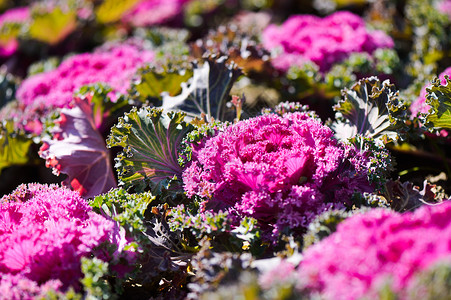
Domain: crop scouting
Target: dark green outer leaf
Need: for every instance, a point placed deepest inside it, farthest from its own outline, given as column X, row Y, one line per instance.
column 208, row 90
column 150, row 140
column 372, row 109
column 8, row 86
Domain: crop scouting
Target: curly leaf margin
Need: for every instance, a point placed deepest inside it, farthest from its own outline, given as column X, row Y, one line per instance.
column 439, row 98
column 372, row 109
column 150, row 140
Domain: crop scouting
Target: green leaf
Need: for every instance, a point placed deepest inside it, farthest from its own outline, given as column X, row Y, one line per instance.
column 14, row 145
column 52, row 26
column 112, row 10
column 150, row 142
column 156, row 80
column 126, row 209
column 431, row 283
column 324, row 225
column 439, row 98
column 44, row 65
column 207, row 92
column 94, row 280
column 372, row 109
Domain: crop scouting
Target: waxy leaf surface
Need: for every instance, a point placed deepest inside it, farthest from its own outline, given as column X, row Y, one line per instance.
column 207, row 92
column 150, row 140
column 78, row 150
column 370, row 108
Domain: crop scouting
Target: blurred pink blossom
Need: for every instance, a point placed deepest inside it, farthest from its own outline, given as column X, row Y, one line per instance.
column 444, row 6
column 18, row 287
column 151, row 12
column 324, row 41
column 114, row 65
column 379, row 247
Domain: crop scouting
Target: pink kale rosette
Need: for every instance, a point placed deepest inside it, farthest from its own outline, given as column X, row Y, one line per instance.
column 114, row 66
column 18, row 287
column 152, row 12
column 378, row 248
column 44, row 232
column 283, row 171
column 323, row 41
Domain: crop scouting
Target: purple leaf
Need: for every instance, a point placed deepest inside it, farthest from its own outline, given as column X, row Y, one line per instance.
column 78, row 150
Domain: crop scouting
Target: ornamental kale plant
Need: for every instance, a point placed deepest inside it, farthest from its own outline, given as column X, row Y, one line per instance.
column 374, row 254
column 45, row 231
column 40, row 95
column 114, row 66
column 282, row 171
column 324, row 41
column 223, row 188
column 376, row 248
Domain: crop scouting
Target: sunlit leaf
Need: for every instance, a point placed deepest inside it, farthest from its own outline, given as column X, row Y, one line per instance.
column 78, row 150
column 14, row 145
column 372, row 109
column 207, row 92
column 160, row 36
column 126, row 209
column 52, row 26
column 8, row 33
column 112, row 10
column 439, row 98
column 150, row 140
column 155, row 80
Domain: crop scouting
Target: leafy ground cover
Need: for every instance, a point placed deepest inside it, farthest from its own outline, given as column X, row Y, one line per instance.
column 225, row 149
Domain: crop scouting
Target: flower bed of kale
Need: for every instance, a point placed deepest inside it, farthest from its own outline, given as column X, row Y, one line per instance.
column 244, row 149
